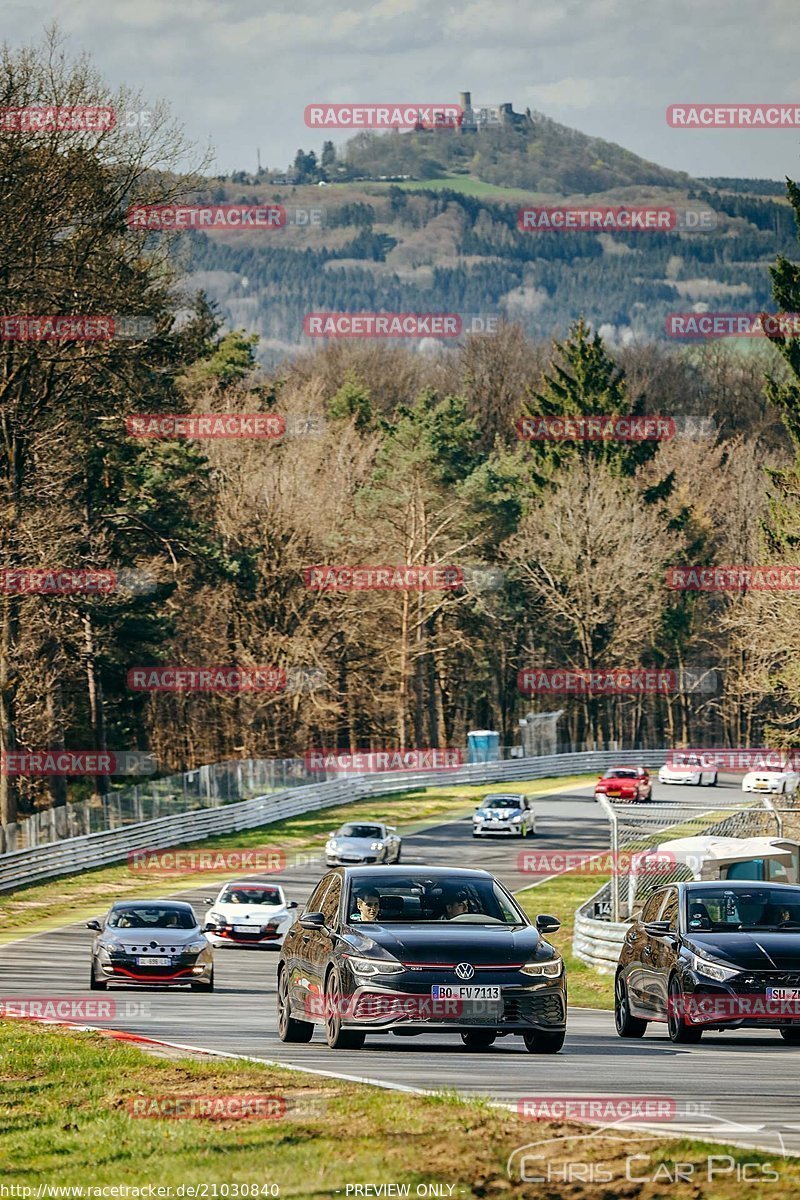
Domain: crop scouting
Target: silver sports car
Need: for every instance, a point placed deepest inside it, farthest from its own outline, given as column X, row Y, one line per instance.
column 363, row 842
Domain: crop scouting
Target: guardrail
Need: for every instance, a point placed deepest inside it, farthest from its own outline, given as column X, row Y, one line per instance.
column 85, row 852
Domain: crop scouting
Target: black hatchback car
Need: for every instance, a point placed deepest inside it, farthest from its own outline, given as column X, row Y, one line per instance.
column 420, row 949
column 712, row 956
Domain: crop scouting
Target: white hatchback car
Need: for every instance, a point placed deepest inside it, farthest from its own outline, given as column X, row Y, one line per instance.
column 504, row 813
column 249, row 914
column 776, row 782
column 689, row 770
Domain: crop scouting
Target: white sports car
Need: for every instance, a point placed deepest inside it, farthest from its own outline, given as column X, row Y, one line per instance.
column 249, row 914
column 781, row 782
column 509, row 814
column 689, row 770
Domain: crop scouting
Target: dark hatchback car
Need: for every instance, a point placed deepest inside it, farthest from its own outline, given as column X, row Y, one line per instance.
column 147, row 942
column 712, row 956
column 420, row 949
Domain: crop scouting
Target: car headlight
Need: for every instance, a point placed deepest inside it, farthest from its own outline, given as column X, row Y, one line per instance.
column 111, row 944
column 331, row 844
column 517, row 818
column 374, row 966
column 196, row 947
column 704, row 966
column 376, row 845
column 216, row 918
column 549, row 968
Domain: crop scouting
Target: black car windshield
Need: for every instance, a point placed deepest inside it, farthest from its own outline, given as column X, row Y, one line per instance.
column 620, row 774
column 360, row 831
column 501, row 802
column 398, row 898
column 156, row 916
column 729, row 910
column 246, row 894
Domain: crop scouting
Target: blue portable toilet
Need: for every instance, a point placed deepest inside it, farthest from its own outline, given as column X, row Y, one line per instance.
column 483, row 745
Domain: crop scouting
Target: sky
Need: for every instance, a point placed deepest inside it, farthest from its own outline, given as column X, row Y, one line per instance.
column 238, row 74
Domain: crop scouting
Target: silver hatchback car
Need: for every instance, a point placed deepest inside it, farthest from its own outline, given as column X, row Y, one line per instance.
column 151, row 942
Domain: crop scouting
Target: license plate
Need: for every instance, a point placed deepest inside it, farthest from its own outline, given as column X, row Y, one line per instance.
column 245, row 929
column 783, row 993
column 447, row 991
column 154, row 962
column 614, row 793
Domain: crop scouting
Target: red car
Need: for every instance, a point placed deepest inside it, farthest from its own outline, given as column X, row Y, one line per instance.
column 625, row 783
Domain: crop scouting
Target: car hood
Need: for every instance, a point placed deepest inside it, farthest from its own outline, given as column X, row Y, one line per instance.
column 756, row 951
column 445, row 942
column 354, row 845
column 622, row 783
column 246, row 914
column 143, row 940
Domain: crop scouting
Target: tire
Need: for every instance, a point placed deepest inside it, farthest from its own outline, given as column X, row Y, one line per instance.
column 290, row 1029
column 791, row 1036
column 399, row 852
column 538, row 1042
column 96, row 985
column 627, row 1025
column 336, row 1037
column 478, row 1039
column 202, row 985
column 679, row 1032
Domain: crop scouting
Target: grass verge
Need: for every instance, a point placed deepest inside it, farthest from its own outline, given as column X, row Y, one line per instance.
column 561, row 897
column 73, row 898
column 66, row 1119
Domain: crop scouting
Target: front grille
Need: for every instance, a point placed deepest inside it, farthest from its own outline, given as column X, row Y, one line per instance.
column 759, row 980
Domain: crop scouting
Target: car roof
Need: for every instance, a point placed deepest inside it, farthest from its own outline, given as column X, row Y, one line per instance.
column 153, row 904
column 251, row 883
column 732, row 885
column 411, row 872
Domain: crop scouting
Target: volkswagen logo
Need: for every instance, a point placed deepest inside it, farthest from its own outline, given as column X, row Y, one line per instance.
column 465, row 970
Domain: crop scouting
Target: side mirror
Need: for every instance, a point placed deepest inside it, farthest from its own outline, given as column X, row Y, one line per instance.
column 313, row 920
column 94, row 925
column 208, row 900
column 656, row 928
column 547, row 924
column 292, row 904
column 601, row 776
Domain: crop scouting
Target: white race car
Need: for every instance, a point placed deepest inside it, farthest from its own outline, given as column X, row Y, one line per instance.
column 249, row 914
column 781, row 782
column 689, row 770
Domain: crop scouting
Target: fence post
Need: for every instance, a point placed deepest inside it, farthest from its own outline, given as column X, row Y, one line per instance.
column 614, row 839
column 778, row 818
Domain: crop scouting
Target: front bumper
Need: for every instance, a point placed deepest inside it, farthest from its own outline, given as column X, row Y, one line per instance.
column 350, row 860
column 505, row 830
column 742, row 1002
column 377, row 1008
column 185, row 968
column 244, row 941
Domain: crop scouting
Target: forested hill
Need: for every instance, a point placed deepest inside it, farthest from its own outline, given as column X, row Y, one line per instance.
column 428, row 222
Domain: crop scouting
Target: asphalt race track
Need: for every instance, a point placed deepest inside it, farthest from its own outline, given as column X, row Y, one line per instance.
column 740, row 1087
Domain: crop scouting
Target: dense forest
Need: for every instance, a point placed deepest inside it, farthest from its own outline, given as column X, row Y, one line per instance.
column 390, row 457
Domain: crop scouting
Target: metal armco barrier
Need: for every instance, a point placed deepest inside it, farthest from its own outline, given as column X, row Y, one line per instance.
column 101, row 849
